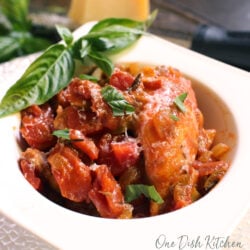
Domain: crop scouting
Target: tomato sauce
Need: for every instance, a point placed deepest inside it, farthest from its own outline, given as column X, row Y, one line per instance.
column 162, row 143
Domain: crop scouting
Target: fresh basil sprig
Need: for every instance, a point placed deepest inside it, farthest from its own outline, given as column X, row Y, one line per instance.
column 53, row 70
column 134, row 191
column 116, row 101
column 16, row 38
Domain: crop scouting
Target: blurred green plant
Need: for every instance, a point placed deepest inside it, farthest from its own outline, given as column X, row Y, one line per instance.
column 16, row 38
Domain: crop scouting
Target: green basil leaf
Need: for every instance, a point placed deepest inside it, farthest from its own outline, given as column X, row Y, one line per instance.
column 5, row 24
column 9, row 47
column 88, row 77
column 113, row 39
column 16, row 12
column 65, row 34
column 33, row 44
column 116, row 101
column 20, row 43
column 64, row 134
column 80, row 49
column 179, row 102
column 44, row 78
column 108, row 22
column 134, row 191
column 102, row 44
column 174, row 117
column 102, row 62
column 115, row 34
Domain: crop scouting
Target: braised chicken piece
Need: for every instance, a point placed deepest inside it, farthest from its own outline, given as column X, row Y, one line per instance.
column 158, row 149
column 169, row 135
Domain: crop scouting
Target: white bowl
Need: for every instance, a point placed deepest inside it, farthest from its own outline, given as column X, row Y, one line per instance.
column 223, row 96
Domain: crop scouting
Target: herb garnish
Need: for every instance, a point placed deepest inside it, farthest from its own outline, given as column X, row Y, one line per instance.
column 134, row 191
column 116, row 101
column 136, row 82
column 179, row 102
column 174, row 117
column 65, row 135
column 53, row 70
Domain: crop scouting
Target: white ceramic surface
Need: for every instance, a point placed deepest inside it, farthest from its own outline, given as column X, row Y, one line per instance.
column 223, row 95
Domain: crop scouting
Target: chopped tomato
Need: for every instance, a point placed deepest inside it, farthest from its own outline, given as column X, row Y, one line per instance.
column 119, row 154
column 76, row 118
column 37, row 126
column 77, row 92
column 126, row 153
column 84, row 143
column 32, row 164
column 29, row 172
column 121, row 80
column 71, row 174
column 107, row 196
column 152, row 83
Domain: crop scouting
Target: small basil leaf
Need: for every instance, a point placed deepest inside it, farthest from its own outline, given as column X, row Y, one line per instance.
column 116, row 38
column 44, row 78
column 102, row 62
column 80, row 49
column 88, row 77
column 134, row 191
column 179, row 102
column 64, row 134
column 65, row 34
column 174, row 117
column 116, row 101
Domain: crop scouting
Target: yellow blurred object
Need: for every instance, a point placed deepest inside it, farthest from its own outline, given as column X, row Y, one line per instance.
column 82, row 11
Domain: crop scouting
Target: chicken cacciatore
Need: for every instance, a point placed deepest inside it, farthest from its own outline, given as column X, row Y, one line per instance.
column 126, row 146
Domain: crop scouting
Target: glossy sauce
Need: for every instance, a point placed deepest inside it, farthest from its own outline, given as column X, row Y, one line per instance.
column 159, row 144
